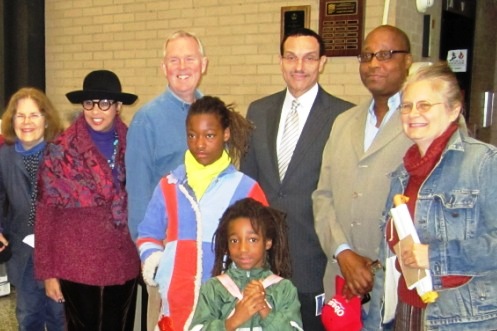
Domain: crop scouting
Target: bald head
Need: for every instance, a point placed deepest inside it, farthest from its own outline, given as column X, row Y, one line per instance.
column 384, row 77
column 393, row 31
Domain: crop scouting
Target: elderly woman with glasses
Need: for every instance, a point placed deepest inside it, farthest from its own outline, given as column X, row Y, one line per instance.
column 84, row 251
column 29, row 122
column 450, row 181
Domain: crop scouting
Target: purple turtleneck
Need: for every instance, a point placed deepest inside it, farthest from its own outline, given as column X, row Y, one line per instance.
column 104, row 140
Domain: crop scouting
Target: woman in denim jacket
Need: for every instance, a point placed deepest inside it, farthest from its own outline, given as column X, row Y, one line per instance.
column 451, row 182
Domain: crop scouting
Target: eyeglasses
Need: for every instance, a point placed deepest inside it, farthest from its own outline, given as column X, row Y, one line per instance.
column 103, row 104
column 32, row 117
column 422, row 106
column 380, row 55
column 308, row 59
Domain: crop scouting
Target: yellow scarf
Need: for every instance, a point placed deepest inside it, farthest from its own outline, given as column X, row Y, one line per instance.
column 199, row 176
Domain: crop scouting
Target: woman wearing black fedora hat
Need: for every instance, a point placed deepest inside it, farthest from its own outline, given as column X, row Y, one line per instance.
column 84, row 252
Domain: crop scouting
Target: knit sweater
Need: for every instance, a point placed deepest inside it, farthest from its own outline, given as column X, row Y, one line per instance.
column 81, row 219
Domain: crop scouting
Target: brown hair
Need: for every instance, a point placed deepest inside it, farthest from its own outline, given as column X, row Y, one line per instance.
column 53, row 124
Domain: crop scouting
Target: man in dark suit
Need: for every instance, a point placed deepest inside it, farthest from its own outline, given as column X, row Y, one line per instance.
column 289, row 175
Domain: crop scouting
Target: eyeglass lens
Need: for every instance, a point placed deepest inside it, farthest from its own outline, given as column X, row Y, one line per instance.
column 380, row 55
column 421, row 106
column 103, row 104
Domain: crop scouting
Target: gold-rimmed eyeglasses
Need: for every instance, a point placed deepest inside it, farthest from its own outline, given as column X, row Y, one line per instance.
column 422, row 106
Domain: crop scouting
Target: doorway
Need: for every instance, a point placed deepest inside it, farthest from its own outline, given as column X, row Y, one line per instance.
column 456, row 44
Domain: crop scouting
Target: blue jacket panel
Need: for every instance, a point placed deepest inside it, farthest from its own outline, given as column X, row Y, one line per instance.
column 156, row 144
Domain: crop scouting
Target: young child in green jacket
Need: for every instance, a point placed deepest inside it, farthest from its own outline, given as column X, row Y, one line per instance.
column 249, row 290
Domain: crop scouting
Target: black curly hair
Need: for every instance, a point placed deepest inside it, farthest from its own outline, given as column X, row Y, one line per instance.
column 269, row 221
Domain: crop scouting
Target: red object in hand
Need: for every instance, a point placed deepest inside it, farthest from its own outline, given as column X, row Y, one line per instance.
column 340, row 314
column 165, row 323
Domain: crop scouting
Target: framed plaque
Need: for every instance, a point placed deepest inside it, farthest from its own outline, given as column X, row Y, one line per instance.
column 341, row 25
column 294, row 17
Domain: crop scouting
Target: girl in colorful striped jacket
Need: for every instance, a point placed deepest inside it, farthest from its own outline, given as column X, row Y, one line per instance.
column 175, row 236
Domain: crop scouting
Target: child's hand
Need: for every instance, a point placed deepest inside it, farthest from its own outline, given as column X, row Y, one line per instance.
column 256, row 288
column 253, row 302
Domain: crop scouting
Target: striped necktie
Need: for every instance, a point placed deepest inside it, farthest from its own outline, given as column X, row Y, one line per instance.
column 289, row 139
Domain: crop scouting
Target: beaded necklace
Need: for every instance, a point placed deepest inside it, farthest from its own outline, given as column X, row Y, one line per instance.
column 112, row 160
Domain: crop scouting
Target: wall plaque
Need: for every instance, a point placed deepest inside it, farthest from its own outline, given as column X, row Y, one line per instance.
column 294, row 17
column 341, row 25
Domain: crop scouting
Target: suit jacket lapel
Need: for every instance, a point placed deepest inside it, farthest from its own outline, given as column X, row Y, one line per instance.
column 272, row 125
column 357, row 133
column 391, row 130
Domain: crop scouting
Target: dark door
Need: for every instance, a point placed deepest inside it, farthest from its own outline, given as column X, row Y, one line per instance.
column 457, row 33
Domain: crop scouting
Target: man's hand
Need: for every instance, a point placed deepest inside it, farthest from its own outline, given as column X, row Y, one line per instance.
column 356, row 270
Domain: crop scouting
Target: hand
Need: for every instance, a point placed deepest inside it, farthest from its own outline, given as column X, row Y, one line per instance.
column 416, row 256
column 53, row 291
column 253, row 302
column 4, row 241
column 255, row 287
column 356, row 270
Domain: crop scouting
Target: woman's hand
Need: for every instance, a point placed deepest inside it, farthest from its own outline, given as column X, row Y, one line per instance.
column 53, row 291
column 416, row 256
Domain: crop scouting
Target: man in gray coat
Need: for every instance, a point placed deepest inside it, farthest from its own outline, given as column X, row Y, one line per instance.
column 365, row 145
column 288, row 176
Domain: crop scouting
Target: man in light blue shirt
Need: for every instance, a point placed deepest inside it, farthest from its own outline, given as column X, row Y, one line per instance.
column 156, row 140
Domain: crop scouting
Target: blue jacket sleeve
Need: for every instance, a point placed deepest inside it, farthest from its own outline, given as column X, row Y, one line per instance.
column 139, row 170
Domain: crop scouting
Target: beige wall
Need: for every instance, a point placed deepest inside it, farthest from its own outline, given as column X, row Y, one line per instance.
column 241, row 40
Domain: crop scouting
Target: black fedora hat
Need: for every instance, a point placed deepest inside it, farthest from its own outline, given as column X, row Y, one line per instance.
column 101, row 84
